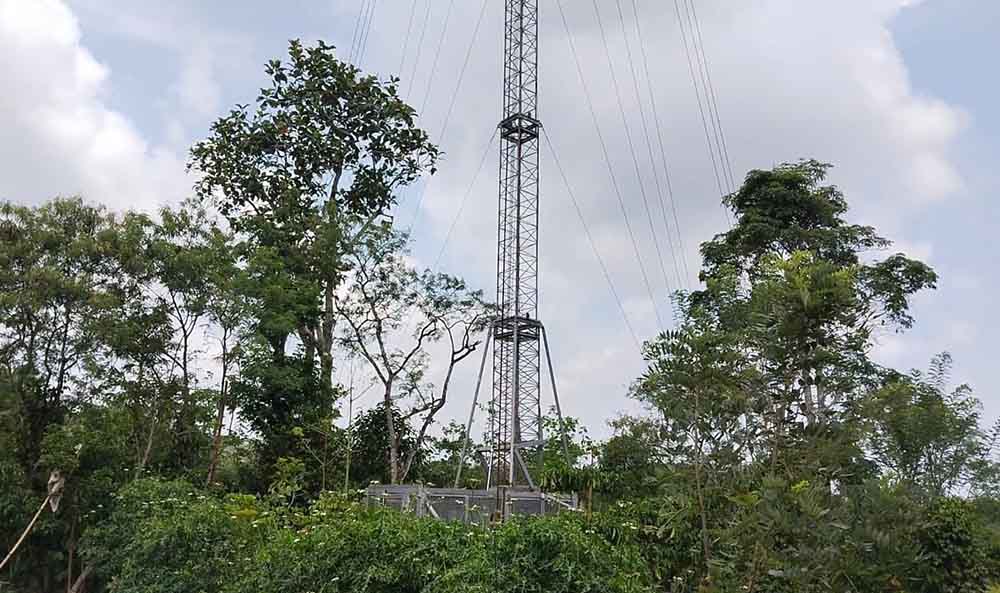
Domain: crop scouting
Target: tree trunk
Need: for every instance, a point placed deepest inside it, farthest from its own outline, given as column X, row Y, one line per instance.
column 185, row 420
column 326, row 373
column 220, row 412
column 70, row 552
column 821, row 395
column 699, row 460
column 390, row 427
column 149, row 447
column 277, row 343
column 429, row 418
column 63, row 359
column 82, row 579
column 325, row 341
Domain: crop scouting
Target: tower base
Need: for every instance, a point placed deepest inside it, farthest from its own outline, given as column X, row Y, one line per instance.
column 478, row 507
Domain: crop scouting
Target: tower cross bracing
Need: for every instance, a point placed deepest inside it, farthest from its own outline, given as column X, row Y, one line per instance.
column 515, row 435
column 516, row 414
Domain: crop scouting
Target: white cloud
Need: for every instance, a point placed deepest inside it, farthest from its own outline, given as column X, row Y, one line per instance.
column 62, row 138
column 922, row 129
column 197, row 53
column 197, row 88
column 826, row 79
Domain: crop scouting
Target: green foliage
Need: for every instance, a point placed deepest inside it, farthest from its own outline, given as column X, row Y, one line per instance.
column 113, row 328
column 370, row 446
column 795, row 284
column 954, row 548
column 790, row 460
column 362, row 551
column 440, row 464
column 632, row 456
column 930, row 438
column 565, row 553
column 59, row 270
column 384, row 551
column 277, row 396
column 303, row 177
column 785, row 210
column 778, row 536
column 802, row 537
column 92, row 450
column 320, row 116
column 167, row 537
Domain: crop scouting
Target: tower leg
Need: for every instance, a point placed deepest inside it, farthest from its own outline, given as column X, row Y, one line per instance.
column 475, row 402
column 555, row 394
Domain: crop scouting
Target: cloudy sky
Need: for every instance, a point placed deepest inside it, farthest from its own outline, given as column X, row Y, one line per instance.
column 104, row 97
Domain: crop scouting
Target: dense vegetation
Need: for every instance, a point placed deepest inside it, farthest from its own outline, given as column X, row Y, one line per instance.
column 180, row 371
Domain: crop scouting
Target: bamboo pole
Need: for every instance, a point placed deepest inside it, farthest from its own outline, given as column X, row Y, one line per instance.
column 27, row 530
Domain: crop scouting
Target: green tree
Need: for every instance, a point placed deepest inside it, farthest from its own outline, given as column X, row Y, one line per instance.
column 182, row 258
column 702, row 382
column 759, row 393
column 633, row 456
column 929, row 438
column 276, row 398
column 58, row 274
column 302, row 176
column 955, row 549
column 70, row 298
column 446, row 450
column 791, row 280
column 226, row 307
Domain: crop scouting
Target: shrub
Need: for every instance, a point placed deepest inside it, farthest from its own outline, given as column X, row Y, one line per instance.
column 167, row 537
column 382, row 551
column 954, row 549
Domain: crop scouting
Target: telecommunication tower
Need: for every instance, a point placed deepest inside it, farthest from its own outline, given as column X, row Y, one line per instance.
column 516, row 407
column 516, row 436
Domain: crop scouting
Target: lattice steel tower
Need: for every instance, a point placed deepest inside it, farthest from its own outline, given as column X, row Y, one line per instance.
column 516, row 407
column 516, row 437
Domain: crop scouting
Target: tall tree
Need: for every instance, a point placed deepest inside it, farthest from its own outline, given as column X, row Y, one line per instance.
column 60, row 264
column 761, row 387
column 370, row 445
column 227, row 309
column 703, row 384
column 183, row 258
column 801, row 286
column 139, row 375
column 303, row 175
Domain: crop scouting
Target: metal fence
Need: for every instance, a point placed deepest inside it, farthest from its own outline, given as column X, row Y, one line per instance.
column 469, row 506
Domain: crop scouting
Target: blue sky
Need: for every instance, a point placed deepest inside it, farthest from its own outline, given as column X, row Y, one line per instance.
column 946, row 45
column 896, row 93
